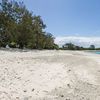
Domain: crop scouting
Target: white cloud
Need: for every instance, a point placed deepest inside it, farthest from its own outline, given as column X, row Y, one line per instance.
column 78, row 40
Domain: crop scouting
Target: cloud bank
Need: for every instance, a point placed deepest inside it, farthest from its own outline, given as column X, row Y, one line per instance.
column 81, row 41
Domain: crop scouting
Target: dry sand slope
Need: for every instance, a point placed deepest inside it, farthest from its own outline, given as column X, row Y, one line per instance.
column 49, row 75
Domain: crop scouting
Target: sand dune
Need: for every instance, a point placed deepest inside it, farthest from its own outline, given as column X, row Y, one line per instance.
column 49, row 75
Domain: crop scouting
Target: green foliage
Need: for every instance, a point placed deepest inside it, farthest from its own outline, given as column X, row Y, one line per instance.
column 92, row 47
column 70, row 46
column 19, row 28
column 56, row 47
column 12, row 45
column 49, row 44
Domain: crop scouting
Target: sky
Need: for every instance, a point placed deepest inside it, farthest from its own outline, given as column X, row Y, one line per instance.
column 69, row 18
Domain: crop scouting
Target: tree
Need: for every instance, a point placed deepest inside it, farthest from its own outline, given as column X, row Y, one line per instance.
column 56, row 47
column 18, row 26
column 69, row 46
column 92, row 47
column 49, row 41
column 7, row 22
column 38, row 31
column 25, row 29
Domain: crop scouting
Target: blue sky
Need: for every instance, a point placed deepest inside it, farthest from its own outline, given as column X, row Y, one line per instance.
column 68, row 17
column 63, row 18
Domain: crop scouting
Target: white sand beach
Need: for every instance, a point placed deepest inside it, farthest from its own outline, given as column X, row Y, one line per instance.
column 49, row 75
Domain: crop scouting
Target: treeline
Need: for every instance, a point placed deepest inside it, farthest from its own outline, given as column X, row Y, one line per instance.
column 71, row 46
column 20, row 28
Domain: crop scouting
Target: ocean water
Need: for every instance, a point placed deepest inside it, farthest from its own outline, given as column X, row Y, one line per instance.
column 97, row 52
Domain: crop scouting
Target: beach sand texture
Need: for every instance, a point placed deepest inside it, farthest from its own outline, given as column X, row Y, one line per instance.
column 49, row 75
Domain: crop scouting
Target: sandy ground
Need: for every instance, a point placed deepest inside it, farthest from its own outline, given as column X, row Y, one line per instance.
column 49, row 75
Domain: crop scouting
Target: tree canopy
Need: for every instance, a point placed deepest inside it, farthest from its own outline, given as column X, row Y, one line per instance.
column 20, row 28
